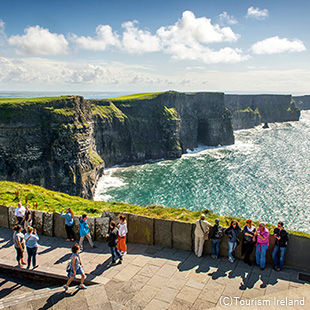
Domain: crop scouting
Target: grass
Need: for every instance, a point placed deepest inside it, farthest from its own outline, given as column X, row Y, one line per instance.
column 28, row 100
column 45, row 200
column 139, row 96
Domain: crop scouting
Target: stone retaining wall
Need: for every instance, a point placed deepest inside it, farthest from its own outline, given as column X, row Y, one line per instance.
column 152, row 231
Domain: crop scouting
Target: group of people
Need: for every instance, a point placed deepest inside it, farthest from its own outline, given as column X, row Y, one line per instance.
column 116, row 238
column 252, row 238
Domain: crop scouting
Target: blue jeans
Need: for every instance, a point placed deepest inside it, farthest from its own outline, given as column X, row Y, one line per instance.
column 261, row 255
column 231, row 248
column 282, row 250
column 115, row 252
column 216, row 247
column 32, row 253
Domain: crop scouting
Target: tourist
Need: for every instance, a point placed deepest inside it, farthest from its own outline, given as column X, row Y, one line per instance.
column 262, row 243
column 27, row 218
column 232, row 231
column 84, row 232
column 201, row 234
column 216, row 236
column 19, row 214
column 248, row 242
column 75, row 267
column 69, row 221
column 31, row 239
column 112, row 239
column 122, row 231
column 19, row 244
column 281, row 236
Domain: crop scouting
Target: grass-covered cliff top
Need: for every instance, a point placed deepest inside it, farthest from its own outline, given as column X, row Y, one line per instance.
column 45, row 200
column 140, row 96
column 16, row 101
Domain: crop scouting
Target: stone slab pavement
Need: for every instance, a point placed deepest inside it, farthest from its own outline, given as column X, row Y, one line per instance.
column 150, row 277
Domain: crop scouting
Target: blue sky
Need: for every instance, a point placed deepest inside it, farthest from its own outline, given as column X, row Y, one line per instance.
column 234, row 46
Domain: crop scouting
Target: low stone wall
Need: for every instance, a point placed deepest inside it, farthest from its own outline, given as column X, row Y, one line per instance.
column 151, row 231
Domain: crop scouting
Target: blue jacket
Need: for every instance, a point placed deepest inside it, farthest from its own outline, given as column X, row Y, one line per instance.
column 233, row 233
column 68, row 218
column 84, row 229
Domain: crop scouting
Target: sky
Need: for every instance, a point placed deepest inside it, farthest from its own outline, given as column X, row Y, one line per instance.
column 231, row 46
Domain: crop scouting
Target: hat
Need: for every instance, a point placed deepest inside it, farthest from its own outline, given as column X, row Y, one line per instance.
column 216, row 221
column 202, row 216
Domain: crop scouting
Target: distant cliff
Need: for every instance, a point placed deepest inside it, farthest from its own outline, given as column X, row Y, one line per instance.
column 251, row 110
column 63, row 144
column 302, row 102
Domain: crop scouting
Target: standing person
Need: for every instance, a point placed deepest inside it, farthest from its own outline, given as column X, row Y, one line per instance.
column 32, row 239
column 216, row 236
column 112, row 238
column 281, row 236
column 248, row 242
column 27, row 218
column 202, row 227
column 69, row 221
column 262, row 243
column 19, row 244
column 122, row 231
column 19, row 214
column 75, row 267
column 232, row 231
column 84, row 232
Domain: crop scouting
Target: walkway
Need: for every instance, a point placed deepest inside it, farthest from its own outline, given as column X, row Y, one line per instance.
column 150, row 277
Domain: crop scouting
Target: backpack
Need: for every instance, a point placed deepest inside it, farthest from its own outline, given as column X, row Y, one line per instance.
column 219, row 233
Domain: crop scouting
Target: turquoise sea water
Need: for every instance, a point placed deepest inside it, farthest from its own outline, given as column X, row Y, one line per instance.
column 265, row 176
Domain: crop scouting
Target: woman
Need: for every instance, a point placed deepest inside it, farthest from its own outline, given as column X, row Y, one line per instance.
column 84, row 232
column 19, row 244
column 75, row 267
column 248, row 242
column 27, row 218
column 122, row 231
column 31, row 239
column 69, row 221
column 232, row 231
column 262, row 243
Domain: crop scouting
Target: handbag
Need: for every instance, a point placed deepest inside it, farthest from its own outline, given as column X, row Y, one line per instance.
column 205, row 233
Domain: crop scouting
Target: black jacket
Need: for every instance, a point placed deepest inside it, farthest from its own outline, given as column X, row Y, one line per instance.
column 113, row 237
column 284, row 237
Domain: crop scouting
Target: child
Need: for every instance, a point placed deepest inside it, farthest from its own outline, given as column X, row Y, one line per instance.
column 75, row 267
column 121, row 246
column 84, row 232
column 19, row 244
column 112, row 243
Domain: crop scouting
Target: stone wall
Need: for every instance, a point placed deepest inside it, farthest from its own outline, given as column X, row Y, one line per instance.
column 151, row 231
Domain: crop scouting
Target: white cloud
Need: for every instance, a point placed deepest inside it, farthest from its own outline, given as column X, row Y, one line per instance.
column 104, row 38
column 257, row 13
column 2, row 32
column 226, row 19
column 39, row 41
column 277, row 45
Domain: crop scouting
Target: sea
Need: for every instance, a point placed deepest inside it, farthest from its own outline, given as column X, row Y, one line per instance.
column 264, row 176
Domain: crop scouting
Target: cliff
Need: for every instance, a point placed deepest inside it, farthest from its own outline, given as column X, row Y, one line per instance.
column 302, row 102
column 251, row 110
column 63, row 144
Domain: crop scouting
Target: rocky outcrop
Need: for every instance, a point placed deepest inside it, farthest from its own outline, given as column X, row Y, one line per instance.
column 302, row 102
column 251, row 110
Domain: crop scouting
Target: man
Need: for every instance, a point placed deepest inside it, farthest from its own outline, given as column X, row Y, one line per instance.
column 216, row 236
column 281, row 236
column 112, row 239
column 202, row 227
column 19, row 214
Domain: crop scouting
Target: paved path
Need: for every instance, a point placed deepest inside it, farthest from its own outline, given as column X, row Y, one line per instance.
column 150, row 277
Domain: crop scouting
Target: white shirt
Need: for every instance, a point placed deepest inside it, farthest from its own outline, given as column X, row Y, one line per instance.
column 20, row 212
column 122, row 231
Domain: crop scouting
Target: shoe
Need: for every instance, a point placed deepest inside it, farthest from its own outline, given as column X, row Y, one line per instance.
column 250, row 264
column 230, row 260
column 120, row 261
column 112, row 263
column 262, row 269
column 277, row 269
column 82, row 286
column 65, row 287
column 94, row 246
column 36, row 266
column 67, row 240
column 27, row 267
column 23, row 263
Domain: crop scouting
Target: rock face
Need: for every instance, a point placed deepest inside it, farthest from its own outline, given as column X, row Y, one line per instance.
column 302, row 102
column 251, row 110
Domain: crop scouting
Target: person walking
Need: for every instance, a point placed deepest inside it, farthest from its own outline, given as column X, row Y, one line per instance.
column 216, row 236
column 84, row 232
column 31, row 239
column 248, row 242
column 69, row 222
column 75, row 267
column 201, row 234
column 262, row 243
column 112, row 239
column 19, row 244
column 232, row 231
column 122, row 231
column 19, row 214
column 282, row 239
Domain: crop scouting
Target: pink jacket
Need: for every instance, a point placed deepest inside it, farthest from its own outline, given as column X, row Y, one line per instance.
column 265, row 234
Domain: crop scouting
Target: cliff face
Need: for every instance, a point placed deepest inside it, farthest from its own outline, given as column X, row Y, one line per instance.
column 252, row 110
column 63, row 144
column 302, row 102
